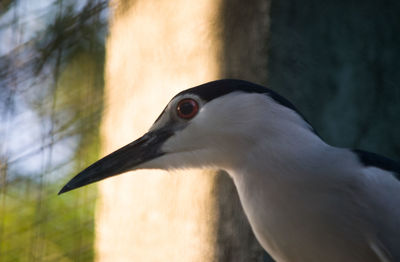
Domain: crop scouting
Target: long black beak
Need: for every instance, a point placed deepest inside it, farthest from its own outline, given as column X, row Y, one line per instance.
column 124, row 159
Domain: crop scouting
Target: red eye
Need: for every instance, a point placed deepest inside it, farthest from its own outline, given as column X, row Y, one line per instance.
column 187, row 108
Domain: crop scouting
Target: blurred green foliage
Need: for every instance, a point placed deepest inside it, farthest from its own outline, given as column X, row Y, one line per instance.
column 5, row 5
column 58, row 75
column 50, row 228
column 338, row 61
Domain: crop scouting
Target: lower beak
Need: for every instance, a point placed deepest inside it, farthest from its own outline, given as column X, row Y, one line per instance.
column 124, row 159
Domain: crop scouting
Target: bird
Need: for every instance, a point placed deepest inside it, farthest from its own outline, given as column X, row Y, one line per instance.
column 305, row 200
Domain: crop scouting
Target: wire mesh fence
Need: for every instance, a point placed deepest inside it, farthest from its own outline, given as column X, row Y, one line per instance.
column 51, row 88
column 51, row 102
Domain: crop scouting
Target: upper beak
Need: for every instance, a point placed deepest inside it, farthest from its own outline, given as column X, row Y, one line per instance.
column 124, row 159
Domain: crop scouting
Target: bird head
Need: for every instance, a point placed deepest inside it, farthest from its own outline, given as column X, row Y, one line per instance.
column 208, row 126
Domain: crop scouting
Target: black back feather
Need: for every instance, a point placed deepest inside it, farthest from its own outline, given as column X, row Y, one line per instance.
column 375, row 160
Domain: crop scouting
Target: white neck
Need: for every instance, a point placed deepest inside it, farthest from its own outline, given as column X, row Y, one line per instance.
column 278, row 181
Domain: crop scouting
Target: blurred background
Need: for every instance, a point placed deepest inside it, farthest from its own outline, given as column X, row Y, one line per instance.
column 51, row 88
column 338, row 61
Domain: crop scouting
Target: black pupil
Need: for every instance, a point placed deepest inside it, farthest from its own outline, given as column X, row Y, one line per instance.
column 186, row 108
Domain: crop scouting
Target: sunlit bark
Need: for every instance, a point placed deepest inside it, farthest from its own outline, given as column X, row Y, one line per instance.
column 155, row 49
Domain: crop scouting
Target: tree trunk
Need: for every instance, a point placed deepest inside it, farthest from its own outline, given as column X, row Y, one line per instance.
column 155, row 49
column 336, row 60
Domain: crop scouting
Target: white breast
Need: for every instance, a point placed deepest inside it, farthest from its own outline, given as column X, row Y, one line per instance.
column 307, row 206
